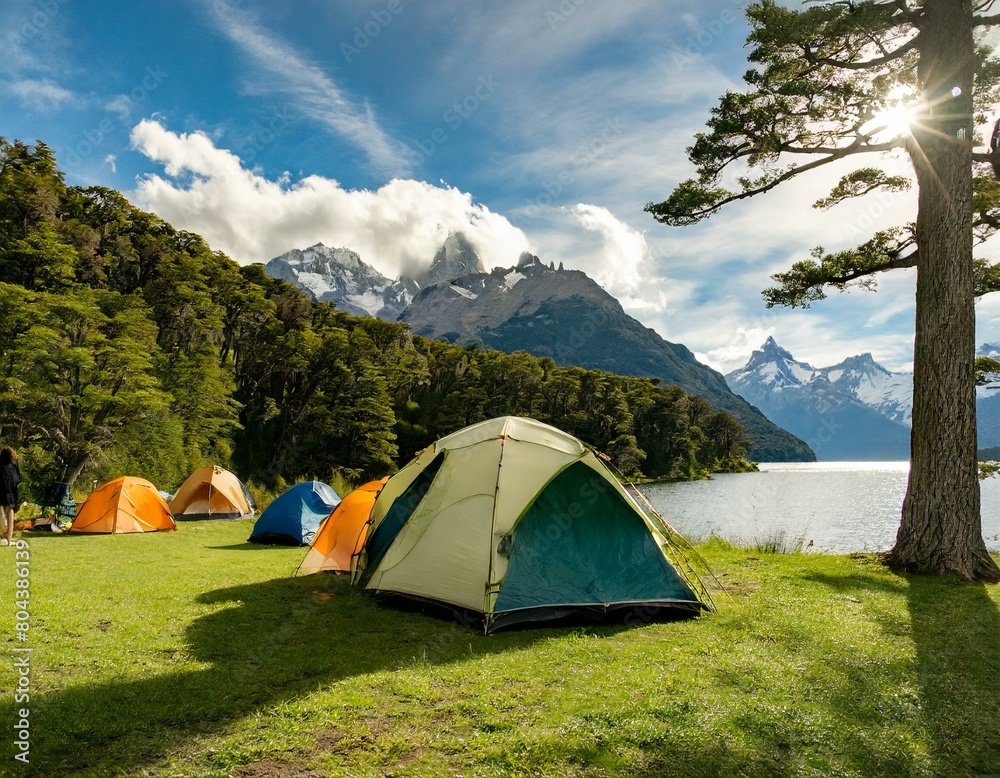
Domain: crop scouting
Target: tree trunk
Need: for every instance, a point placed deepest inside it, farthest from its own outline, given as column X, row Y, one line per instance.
column 941, row 529
column 74, row 472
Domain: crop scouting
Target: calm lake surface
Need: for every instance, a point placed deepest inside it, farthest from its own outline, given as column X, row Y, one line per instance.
column 840, row 506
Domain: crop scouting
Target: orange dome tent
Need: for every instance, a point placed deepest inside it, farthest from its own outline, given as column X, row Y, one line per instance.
column 123, row 505
column 342, row 533
column 212, row 493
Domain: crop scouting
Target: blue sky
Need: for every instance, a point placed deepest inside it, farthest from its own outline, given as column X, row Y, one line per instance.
column 543, row 125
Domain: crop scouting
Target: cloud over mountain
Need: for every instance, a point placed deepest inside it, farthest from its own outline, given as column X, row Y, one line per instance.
column 396, row 228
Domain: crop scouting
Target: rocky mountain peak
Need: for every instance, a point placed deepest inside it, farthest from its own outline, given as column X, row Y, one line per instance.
column 770, row 353
column 854, row 410
column 339, row 276
column 772, row 350
column 456, row 257
column 858, row 367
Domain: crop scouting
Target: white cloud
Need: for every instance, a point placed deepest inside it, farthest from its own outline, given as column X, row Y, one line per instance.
column 398, row 227
column 315, row 93
column 43, row 95
column 624, row 256
column 111, row 160
column 735, row 353
column 121, row 105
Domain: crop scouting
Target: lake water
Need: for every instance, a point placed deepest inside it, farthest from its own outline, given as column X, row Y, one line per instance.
column 840, row 506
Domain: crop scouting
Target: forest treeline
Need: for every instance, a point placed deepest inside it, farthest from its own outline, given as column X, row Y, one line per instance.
column 129, row 347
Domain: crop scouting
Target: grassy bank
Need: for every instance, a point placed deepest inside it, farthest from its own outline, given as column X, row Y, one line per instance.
column 193, row 653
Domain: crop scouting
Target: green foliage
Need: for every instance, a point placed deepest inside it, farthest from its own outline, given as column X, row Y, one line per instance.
column 80, row 373
column 987, row 370
column 805, row 283
column 860, row 183
column 822, row 78
column 129, row 347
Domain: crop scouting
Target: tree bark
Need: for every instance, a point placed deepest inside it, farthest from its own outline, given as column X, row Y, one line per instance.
column 941, row 529
column 77, row 468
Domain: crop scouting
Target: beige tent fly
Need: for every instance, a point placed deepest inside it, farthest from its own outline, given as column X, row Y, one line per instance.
column 518, row 521
column 212, row 493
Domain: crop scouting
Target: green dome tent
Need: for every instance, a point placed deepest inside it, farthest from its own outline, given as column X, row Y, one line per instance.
column 519, row 521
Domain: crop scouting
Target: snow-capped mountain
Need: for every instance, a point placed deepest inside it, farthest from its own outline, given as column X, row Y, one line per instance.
column 341, row 277
column 562, row 314
column 856, row 409
column 891, row 394
column 566, row 315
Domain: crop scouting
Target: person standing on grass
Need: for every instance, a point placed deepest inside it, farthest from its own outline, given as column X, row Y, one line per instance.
column 10, row 477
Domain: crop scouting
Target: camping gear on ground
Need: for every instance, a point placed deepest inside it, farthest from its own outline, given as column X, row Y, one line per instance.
column 342, row 533
column 49, row 524
column 293, row 517
column 212, row 493
column 123, row 505
column 519, row 521
column 59, row 499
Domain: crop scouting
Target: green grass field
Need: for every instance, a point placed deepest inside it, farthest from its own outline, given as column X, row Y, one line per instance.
column 194, row 653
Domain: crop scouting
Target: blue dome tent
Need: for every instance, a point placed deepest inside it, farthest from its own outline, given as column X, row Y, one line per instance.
column 293, row 518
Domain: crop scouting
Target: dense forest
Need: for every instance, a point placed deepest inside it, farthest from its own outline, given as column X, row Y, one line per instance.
column 129, row 347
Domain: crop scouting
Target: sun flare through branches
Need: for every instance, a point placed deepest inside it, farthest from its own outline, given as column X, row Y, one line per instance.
column 896, row 119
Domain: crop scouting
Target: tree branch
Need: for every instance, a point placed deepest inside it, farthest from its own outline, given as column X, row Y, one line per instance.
column 667, row 213
column 910, row 260
column 804, row 284
column 868, row 64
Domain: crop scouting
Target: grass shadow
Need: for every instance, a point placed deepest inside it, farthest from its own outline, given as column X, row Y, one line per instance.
column 956, row 633
column 264, row 643
column 954, row 626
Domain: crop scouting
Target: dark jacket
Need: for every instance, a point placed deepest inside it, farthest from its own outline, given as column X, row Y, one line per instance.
column 10, row 477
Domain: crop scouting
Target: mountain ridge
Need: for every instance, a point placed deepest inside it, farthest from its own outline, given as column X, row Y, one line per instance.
column 341, row 277
column 855, row 410
column 561, row 314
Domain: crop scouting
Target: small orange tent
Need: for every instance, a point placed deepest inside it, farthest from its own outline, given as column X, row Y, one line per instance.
column 343, row 532
column 123, row 505
column 212, row 493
